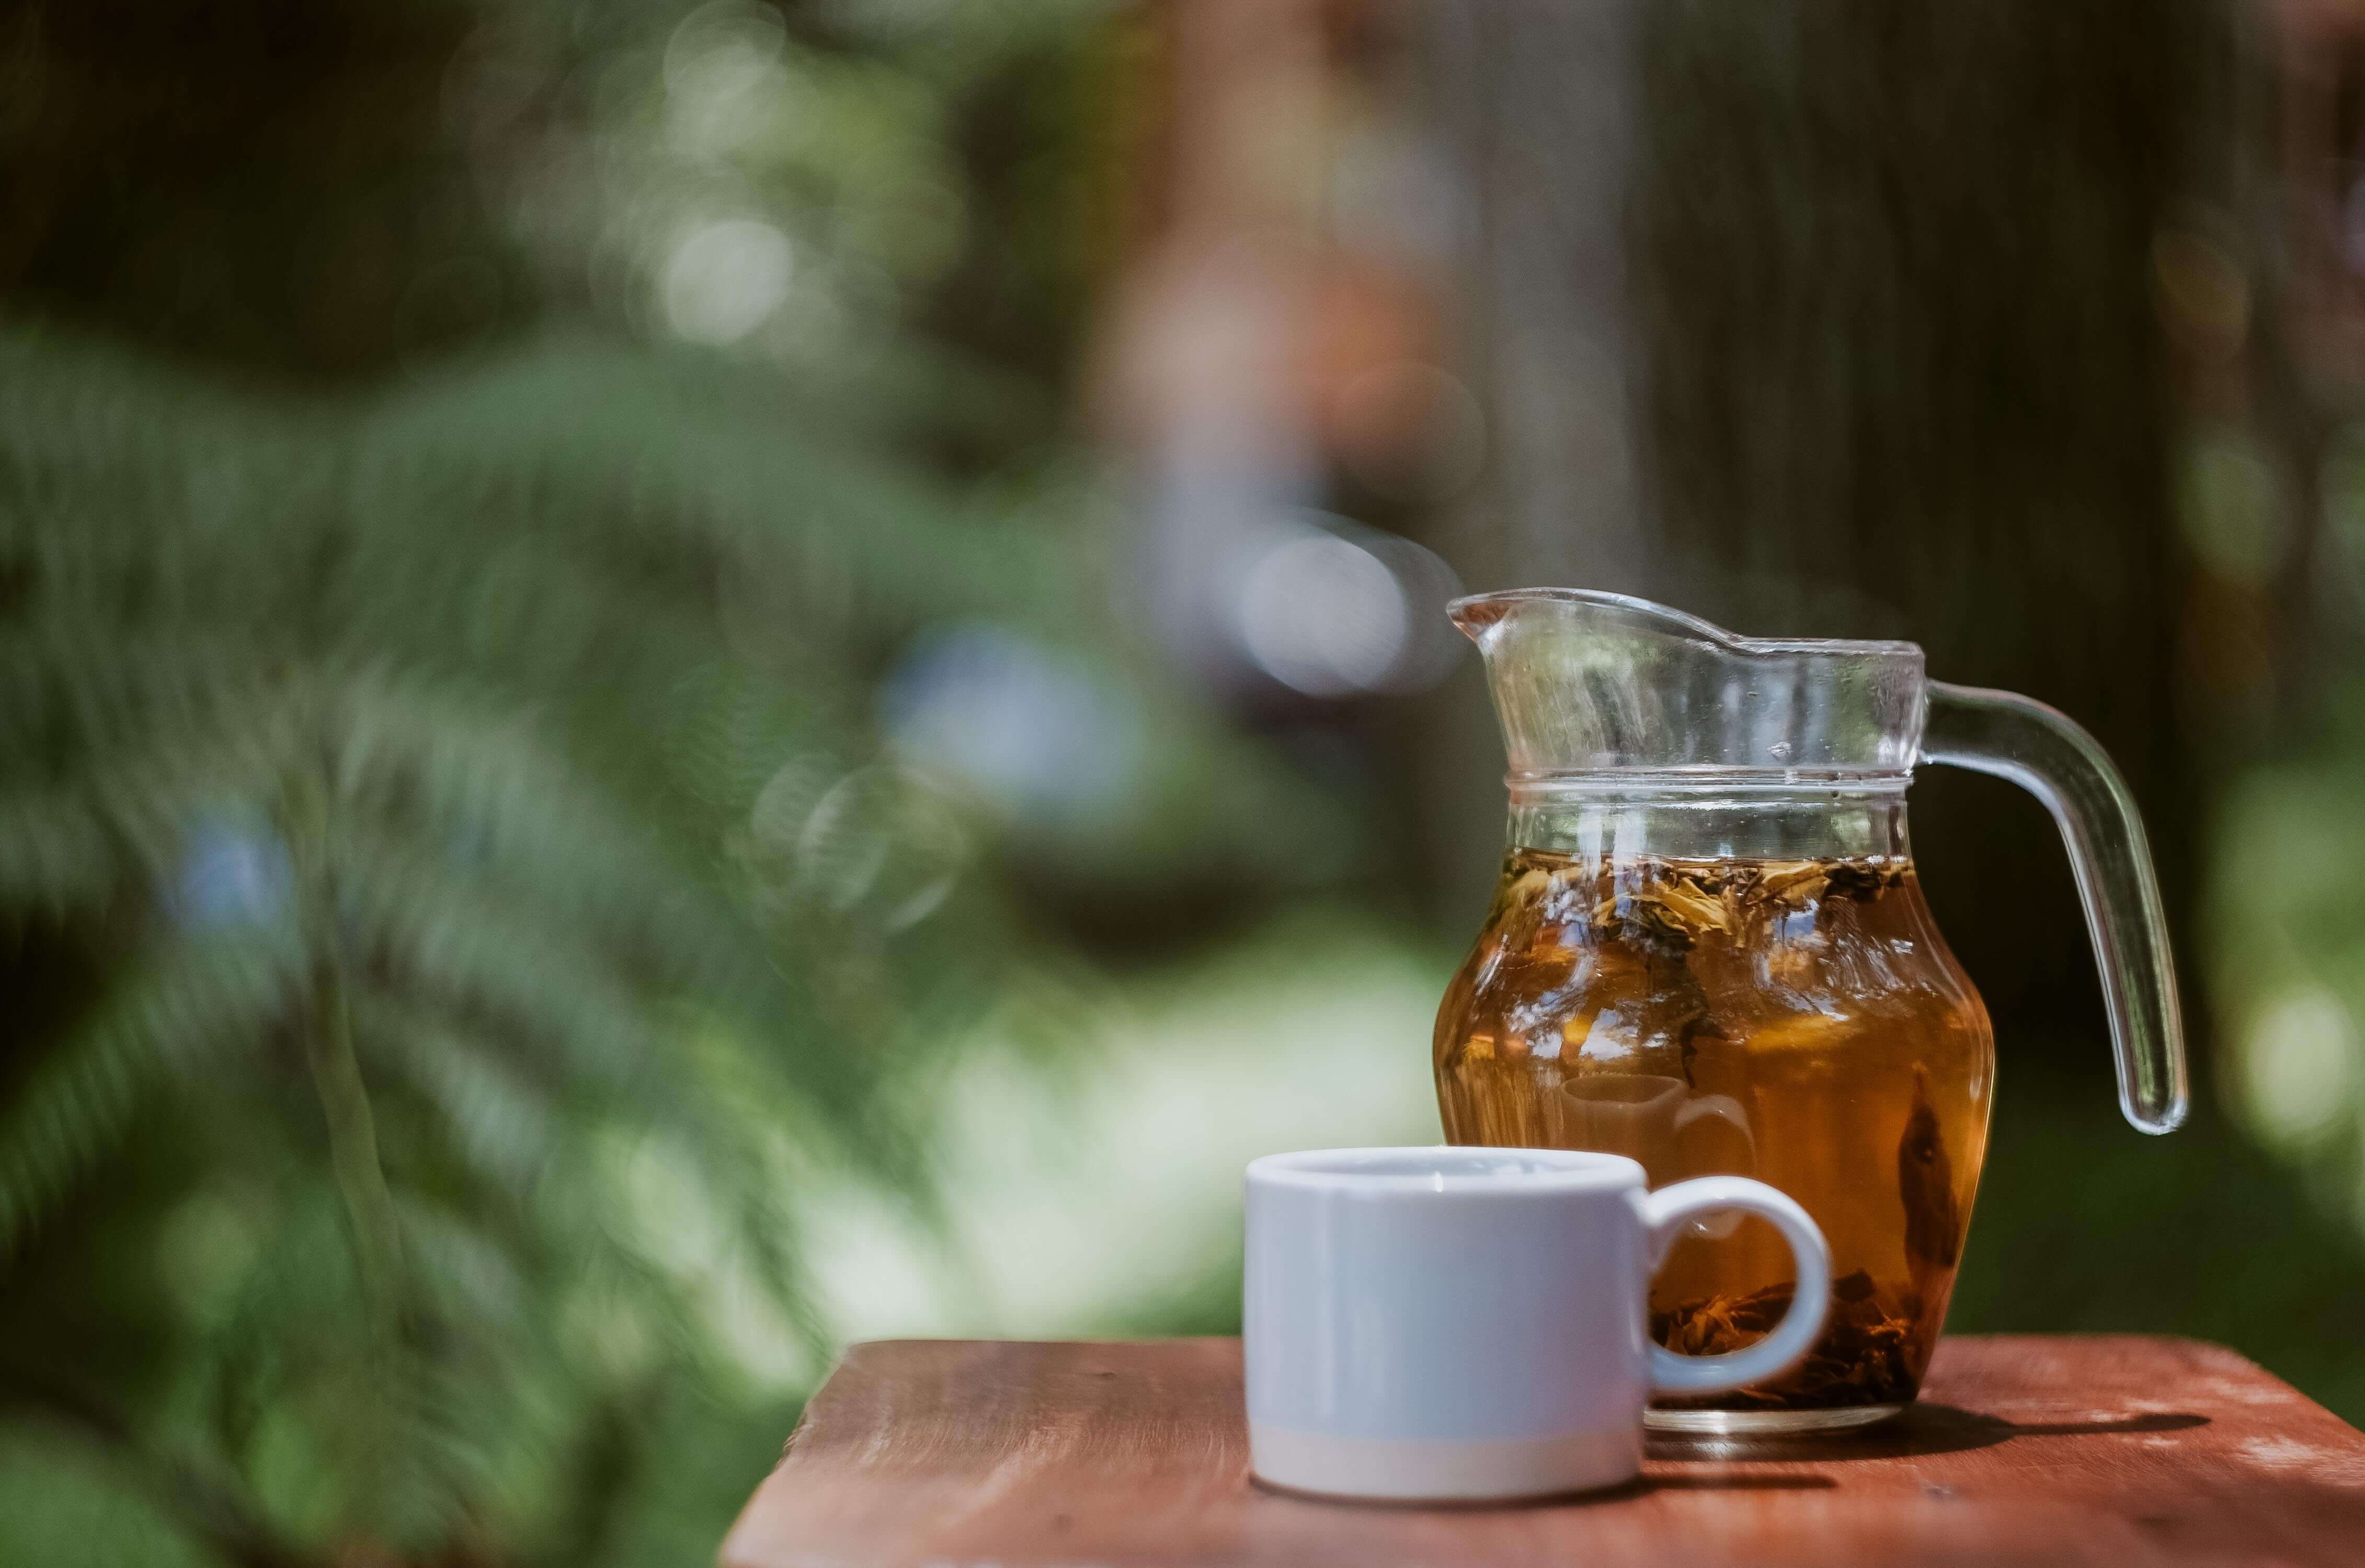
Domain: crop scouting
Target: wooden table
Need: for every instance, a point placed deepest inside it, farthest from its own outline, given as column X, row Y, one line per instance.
column 2118, row 1450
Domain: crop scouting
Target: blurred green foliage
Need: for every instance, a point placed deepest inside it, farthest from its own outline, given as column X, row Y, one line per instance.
column 458, row 874
column 331, row 753
column 2287, row 958
column 2274, row 508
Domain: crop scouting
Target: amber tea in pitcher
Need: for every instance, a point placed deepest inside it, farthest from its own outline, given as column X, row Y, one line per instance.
column 1709, row 951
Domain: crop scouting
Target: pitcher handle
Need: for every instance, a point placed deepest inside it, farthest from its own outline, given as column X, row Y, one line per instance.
column 2048, row 754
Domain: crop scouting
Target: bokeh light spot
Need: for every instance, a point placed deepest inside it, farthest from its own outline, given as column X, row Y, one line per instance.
column 1324, row 616
column 725, row 280
column 2300, row 1061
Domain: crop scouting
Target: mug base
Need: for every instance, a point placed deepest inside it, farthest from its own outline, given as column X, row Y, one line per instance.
column 1444, row 1470
column 1765, row 1423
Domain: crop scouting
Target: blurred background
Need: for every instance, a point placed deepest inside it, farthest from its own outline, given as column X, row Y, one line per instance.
column 684, row 682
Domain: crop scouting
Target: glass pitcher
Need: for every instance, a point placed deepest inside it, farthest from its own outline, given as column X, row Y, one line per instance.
column 1709, row 951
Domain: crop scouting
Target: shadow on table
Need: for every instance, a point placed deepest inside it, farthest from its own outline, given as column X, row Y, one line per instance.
column 1641, row 1485
column 1921, row 1429
column 1735, row 1481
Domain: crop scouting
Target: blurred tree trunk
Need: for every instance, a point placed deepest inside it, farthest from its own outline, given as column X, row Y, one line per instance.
column 1537, row 101
column 1893, row 361
column 262, row 183
column 1541, row 99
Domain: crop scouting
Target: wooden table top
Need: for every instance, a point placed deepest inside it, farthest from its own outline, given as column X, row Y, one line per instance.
column 2114, row 1449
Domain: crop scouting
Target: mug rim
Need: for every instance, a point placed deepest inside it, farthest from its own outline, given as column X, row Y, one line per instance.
column 1544, row 1170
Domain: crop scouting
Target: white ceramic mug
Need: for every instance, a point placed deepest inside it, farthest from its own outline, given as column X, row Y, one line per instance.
column 1465, row 1323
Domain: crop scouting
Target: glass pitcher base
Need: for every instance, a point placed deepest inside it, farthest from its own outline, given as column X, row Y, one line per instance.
column 1764, row 1423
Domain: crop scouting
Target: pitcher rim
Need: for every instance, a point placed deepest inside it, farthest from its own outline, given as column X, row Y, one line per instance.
column 1687, row 623
column 1701, row 784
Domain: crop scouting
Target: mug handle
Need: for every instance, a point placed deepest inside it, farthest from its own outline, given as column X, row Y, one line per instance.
column 1664, row 1212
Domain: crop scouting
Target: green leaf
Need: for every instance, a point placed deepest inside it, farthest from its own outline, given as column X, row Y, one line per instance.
column 199, row 1006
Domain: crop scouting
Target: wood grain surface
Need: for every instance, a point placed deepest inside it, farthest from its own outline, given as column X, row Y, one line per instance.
column 2025, row 1450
